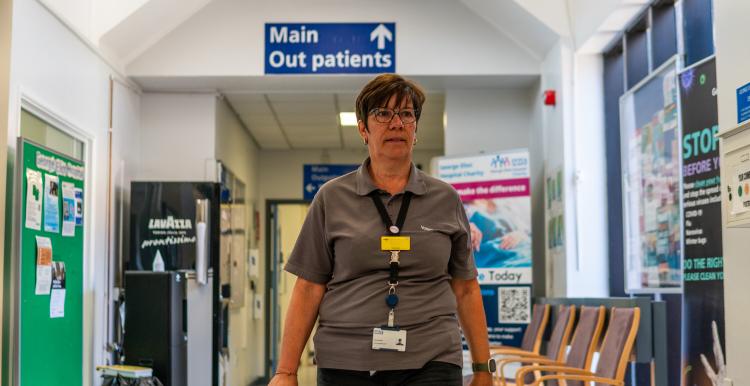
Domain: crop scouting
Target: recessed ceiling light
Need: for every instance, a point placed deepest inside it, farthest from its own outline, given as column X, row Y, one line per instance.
column 348, row 119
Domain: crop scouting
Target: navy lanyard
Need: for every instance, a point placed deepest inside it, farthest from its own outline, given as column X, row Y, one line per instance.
column 390, row 228
column 393, row 230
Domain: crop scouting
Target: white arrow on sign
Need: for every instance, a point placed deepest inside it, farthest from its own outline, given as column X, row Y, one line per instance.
column 381, row 32
column 310, row 188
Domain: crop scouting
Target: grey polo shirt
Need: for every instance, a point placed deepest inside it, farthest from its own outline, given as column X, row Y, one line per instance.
column 339, row 246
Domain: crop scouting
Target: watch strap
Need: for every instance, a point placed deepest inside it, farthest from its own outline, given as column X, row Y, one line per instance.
column 484, row 367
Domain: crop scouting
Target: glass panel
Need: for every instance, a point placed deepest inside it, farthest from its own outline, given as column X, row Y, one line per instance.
column 613, row 89
column 663, row 33
column 651, row 185
column 39, row 131
column 636, row 54
column 697, row 24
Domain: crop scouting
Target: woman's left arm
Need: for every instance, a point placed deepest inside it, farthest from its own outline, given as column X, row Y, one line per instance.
column 474, row 325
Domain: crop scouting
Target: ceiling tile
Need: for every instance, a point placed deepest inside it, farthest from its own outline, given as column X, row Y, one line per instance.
column 300, row 98
column 292, row 108
column 309, row 120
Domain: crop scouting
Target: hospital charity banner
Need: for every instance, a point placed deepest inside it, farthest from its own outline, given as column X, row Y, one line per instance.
column 494, row 189
column 703, row 296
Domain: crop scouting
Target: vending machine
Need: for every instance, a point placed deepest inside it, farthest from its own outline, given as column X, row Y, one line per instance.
column 175, row 236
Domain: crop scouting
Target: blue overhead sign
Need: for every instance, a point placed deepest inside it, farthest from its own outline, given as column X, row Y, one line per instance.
column 317, row 175
column 330, row 48
column 743, row 103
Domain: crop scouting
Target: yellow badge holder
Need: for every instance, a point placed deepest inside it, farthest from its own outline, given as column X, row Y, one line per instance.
column 395, row 243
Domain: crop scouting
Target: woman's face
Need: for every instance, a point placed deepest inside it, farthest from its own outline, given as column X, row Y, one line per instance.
column 391, row 140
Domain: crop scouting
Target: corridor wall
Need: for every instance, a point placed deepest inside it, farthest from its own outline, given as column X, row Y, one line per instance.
column 237, row 151
column 54, row 71
column 732, row 73
column 489, row 120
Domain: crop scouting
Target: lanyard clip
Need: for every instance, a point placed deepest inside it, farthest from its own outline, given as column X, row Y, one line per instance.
column 394, row 257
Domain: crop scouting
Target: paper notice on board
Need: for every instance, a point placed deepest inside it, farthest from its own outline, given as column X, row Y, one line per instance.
column 43, row 265
column 79, row 206
column 51, row 203
column 740, row 189
column 69, row 209
column 33, row 200
column 57, row 300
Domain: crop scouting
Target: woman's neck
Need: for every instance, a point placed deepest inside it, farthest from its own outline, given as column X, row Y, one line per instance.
column 390, row 175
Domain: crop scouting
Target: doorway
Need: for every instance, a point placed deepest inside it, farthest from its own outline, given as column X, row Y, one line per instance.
column 284, row 219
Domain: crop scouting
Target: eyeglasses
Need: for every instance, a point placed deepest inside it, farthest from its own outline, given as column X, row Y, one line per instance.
column 384, row 115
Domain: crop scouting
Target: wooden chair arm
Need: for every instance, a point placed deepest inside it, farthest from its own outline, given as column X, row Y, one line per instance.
column 517, row 354
column 572, row 377
column 524, row 360
column 511, row 351
column 521, row 373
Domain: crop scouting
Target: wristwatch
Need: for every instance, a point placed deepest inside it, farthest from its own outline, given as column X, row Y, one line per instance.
column 488, row 367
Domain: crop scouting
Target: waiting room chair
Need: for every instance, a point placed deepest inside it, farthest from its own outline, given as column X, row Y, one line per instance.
column 556, row 346
column 582, row 347
column 613, row 356
column 532, row 338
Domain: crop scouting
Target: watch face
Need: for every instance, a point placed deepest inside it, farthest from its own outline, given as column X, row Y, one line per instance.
column 492, row 365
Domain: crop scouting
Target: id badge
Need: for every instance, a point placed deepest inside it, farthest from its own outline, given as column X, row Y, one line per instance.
column 388, row 339
column 395, row 243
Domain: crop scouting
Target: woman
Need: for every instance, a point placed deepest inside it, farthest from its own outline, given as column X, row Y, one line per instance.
column 384, row 260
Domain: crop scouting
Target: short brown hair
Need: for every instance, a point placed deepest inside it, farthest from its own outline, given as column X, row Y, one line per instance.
column 378, row 91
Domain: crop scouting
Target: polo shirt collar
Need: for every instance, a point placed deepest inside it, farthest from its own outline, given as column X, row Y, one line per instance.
column 365, row 185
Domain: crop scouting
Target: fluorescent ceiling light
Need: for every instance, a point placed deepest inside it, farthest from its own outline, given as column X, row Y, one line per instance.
column 348, row 119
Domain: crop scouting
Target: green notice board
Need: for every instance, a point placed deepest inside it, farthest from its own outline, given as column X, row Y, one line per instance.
column 50, row 349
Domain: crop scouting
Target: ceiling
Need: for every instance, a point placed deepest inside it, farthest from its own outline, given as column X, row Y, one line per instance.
column 287, row 121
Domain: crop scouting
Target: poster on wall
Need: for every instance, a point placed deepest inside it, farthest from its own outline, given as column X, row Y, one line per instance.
column 651, row 184
column 703, row 295
column 495, row 191
column 555, row 218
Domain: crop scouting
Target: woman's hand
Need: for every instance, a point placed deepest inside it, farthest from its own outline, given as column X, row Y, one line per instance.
column 283, row 380
column 481, row 379
column 476, row 236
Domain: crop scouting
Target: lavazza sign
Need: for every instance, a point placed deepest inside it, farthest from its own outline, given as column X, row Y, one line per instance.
column 330, row 48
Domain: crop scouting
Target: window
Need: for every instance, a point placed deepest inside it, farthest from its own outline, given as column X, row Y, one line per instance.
column 663, row 32
column 698, row 30
column 636, row 54
column 41, row 132
column 614, row 87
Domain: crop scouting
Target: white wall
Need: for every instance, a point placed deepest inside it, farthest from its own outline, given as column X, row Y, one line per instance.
column 574, row 143
column 536, row 168
column 178, row 137
column 556, row 76
column 481, row 120
column 434, row 37
column 125, row 156
column 732, row 55
column 53, row 69
column 588, row 277
column 6, row 16
column 237, row 152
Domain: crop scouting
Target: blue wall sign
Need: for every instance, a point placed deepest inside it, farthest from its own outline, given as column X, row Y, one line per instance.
column 743, row 103
column 330, row 48
column 317, row 175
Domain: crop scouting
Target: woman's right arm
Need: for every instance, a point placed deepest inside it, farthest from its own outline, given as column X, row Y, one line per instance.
column 303, row 311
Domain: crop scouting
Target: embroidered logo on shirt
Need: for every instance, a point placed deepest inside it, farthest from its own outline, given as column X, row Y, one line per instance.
column 424, row 228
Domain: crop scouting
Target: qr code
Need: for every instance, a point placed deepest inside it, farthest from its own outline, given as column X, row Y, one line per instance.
column 514, row 304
